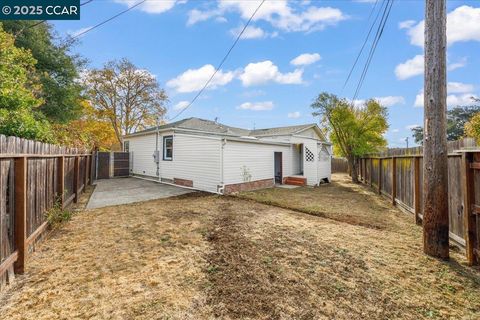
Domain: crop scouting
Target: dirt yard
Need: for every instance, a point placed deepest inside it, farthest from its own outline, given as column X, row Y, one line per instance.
column 200, row 256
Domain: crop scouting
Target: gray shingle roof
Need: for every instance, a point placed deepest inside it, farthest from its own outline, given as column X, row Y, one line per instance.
column 218, row 128
column 279, row 130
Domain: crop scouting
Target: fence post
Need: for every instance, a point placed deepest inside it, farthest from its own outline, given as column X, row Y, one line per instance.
column 360, row 163
column 416, row 190
column 364, row 164
column 20, row 213
column 394, row 180
column 93, row 167
column 371, row 172
column 379, row 183
column 85, row 174
column 468, row 203
column 61, row 180
column 76, row 171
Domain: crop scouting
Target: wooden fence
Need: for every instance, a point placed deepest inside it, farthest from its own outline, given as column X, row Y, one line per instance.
column 34, row 177
column 339, row 165
column 398, row 174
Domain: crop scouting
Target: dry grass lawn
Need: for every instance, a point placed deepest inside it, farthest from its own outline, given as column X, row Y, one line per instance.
column 205, row 257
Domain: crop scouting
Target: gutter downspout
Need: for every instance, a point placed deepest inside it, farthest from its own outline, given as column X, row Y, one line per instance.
column 157, row 153
column 221, row 188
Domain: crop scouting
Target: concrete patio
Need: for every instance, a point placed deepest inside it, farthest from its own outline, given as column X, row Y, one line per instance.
column 111, row 192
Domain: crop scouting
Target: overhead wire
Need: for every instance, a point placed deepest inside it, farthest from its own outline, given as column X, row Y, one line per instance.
column 43, row 21
column 107, row 20
column 364, row 43
column 378, row 35
column 220, row 64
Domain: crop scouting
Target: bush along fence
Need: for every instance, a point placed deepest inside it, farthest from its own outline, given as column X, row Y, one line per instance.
column 34, row 177
column 398, row 174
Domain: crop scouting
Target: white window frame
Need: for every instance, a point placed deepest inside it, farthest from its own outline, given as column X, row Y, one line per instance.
column 165, row 158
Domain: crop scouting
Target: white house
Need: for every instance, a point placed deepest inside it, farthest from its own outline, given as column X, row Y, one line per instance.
column 213, row 157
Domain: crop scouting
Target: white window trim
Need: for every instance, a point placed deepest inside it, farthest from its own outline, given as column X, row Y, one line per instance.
column 164, row 156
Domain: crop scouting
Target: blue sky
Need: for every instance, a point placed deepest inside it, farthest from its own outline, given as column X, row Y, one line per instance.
column 292, row 51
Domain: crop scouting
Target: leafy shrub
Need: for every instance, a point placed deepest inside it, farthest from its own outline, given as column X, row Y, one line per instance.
column 56, row 215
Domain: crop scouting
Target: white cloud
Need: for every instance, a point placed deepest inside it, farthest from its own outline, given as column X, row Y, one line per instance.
column 387, row 101
column 256, row 106
column 406, row 24
column 453, row 100
column 306, row 59
column 460, row 99
column 390, row 101
column 457, row 65
column 194, row 79
column 75, row 33
column 458, row 87
column 181, row 105
column 151, row 6
column 410, row 68
column 358, row 103
column 294, row 115
column 419, row 100
column 395, row 130
column 265, row 71
column 462, row 25
column 195, row 16
column 415, row 66
column 280, row 14
column 251, row 32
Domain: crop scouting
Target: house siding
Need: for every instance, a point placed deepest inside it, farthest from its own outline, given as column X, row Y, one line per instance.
column 142, row 149
column 324, row 165
column 257, row 159
column 195, row 158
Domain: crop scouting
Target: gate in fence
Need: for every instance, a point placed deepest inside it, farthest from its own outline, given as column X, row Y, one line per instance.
column 112, row 165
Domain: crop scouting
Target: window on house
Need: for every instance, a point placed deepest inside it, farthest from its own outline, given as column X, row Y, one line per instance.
column 126, row 146
column 168, row 148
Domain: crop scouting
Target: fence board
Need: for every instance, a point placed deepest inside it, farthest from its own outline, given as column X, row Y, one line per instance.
column 408, row 173
column 39, row 193
column 339, row 165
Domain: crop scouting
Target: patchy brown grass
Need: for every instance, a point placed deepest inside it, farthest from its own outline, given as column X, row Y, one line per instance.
column 340, row 200
column 204, row 257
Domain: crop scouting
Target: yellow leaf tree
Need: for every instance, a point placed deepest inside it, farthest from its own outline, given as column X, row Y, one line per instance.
column 91, row 131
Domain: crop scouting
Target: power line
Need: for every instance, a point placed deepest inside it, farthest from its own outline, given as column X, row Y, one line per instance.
column 108, row 20
column 221, row 63
column 364, row 42
column 43, row 21
column 380, row 29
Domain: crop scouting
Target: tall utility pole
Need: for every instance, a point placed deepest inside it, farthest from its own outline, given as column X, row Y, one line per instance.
column 435, row 188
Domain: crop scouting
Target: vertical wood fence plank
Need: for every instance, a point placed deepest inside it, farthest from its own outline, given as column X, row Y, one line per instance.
column 85, row 173
column 61, row 180
column 20, row 213
column 394, row 180
column 379, row 176
column 76, row 176
column 416, row 186
column 371, row 172
column 468, row 202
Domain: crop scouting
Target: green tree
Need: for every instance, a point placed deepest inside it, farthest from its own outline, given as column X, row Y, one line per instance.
column 456, row 119
column 18, row 93
column 56, row 68
column 129, row 97
column 354, row 131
